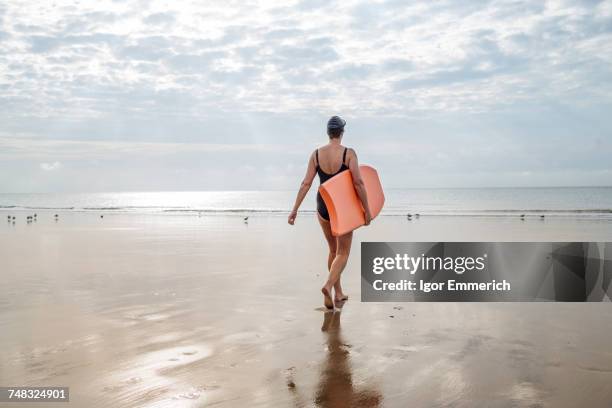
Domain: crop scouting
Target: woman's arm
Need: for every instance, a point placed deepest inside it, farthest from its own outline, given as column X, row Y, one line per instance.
column 304, row 187
column 353, row 164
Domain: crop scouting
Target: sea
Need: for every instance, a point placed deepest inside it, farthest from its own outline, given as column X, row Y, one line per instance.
column 557, row 201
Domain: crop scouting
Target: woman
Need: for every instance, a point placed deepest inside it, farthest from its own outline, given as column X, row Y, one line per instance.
column 327, row 161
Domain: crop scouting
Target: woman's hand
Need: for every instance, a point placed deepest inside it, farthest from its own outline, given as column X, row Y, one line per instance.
column 368, row 217
column 291, row 219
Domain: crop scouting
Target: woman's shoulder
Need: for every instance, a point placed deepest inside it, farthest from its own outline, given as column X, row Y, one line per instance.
column 350, row 151
column 341, row 148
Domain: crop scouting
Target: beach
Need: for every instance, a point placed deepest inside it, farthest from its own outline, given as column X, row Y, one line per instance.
column 149, row 310
column 154, row 154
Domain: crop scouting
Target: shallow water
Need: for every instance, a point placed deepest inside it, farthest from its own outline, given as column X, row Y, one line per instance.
column 560, row 201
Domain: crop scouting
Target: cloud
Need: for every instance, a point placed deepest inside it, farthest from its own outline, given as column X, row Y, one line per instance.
column 51, row 166
column 28, row 148
column 385, row 48
column 104, row 78
column 160, row 18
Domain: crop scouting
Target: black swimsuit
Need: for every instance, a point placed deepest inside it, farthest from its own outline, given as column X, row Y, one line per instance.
column 323, row 177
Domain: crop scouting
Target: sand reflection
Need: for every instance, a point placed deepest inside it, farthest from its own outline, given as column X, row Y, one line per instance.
column 336, row 387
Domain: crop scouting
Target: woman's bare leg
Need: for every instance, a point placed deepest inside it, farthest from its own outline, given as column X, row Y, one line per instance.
column 339, row 294
column 342, row 253
column 332, row 243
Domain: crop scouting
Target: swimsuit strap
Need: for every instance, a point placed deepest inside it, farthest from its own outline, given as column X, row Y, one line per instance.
column 344, row 155
column 317, row 157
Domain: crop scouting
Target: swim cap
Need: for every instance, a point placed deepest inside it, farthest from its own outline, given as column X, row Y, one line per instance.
column 336, row 122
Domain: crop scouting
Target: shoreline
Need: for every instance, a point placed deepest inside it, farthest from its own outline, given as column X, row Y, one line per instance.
column 603, row 214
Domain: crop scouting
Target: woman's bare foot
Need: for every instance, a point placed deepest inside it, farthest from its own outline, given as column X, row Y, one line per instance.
column 327, row 300
column 341, row 297
column 338, row 304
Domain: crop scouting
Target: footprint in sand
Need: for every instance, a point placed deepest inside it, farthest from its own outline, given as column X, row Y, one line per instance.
column 196, row 392
column 152, row 368
column 122, row 385
column 289, row 375
column 184, row 353
column 188, row 395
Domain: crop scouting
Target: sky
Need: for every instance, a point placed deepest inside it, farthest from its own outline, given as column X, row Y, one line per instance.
column 172, row 95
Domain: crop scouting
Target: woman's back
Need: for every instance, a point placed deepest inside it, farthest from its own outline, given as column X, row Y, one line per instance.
column 330, row 160
column 331, row 157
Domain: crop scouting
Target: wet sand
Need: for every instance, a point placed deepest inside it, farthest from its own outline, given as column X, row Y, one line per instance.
column 180, row 310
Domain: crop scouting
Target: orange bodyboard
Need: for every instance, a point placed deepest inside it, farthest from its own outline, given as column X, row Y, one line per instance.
column 343, row 203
